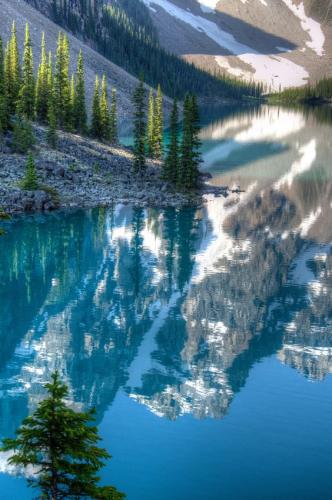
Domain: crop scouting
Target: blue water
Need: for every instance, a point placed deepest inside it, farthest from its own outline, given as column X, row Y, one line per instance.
column 202, row 337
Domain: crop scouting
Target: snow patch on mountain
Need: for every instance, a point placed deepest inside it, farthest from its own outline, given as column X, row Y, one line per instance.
column 312, row 27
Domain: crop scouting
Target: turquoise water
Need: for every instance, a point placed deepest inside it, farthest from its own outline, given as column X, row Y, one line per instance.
column 203, row 338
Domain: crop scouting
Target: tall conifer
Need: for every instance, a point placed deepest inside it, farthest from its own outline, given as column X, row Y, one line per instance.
column 158, row 128
column 151, row 124
column 171, row 163
column 42, row 87
column 26, row 103
column 114, row 119
column 139, row 128
column 104, row 111
column 96, row 120
column 79, row 111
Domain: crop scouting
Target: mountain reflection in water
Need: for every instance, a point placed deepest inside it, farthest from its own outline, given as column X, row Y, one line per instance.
column 174, row 306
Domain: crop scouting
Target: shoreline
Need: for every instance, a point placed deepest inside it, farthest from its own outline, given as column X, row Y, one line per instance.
column 84, row 173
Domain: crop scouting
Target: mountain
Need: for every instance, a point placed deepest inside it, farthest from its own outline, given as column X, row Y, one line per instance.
column 279, row 42
column 123, row 31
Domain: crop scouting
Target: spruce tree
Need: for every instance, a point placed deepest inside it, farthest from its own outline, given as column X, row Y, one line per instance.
column 114, row 119
column 63, row 446
column 71, row 120
column 158, row 128
column 151, row 124
column 188, row 173
column 4, row 118
column 139, row 128
column 171, row 163
column 104, row 111
column 42, row 86
column 61, row 82
column 30, row 181
column 26, row 102
column 52, row 136
column 79, row 111
column 96, row 118
column 13, row 70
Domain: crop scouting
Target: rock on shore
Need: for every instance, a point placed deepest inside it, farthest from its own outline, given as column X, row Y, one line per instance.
column 82, row 173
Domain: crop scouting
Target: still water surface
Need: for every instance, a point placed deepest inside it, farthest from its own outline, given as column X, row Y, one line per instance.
column 202, row 337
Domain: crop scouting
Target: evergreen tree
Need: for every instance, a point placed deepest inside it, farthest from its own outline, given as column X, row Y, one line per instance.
column 104, row 111
column 139, row 128
column 71, row 120
column 79, row 111
column 96, row 118
column 26, row 103
column 62, row 445
column 30, row 181
column 42, row 85
column 158, row 127
column 151, row 124
column 61, row 82
column 171, row 163
column 188, row 172
column 4, row 119
column 114, row 119
column 13, row 70
column 52, row 137
column 23, row 137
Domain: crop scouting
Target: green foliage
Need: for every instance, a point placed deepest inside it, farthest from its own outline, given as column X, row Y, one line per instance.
column 61, row 83
column 52, row 136
column 23, row 137
column 42, row 85
column 123, row 31
column 139, row 128
column 79, row 105
column 12, row 71
column 30, row 181
column 96, row 113
column 150, row 125
column 321, row 91
column 158, row 127
column 188, row 173
column 114, row 139
column 62, row 445
column 171, row 163
column 26, row 101
column 104, row 111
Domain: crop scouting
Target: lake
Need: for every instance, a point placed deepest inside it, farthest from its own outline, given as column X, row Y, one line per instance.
column 203, row 338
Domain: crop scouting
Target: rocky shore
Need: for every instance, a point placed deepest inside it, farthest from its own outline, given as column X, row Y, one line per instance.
column 81, row 173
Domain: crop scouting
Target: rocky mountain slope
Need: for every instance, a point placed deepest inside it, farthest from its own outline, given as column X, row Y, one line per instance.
column 20, row 12
column 279, row 42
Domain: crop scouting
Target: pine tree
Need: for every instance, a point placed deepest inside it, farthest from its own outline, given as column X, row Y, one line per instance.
column 139, row 128
column 79, row 111
column 4, row 118
column 13, row 70
column 114, row 119
column 104, row 111
column 26, row 102
column 42, row 86
column 96, row 118
column 71, row 119
column 171, row 163
column 61, row 82
column 151, row 124
column 30, row 181
column 62, row 445
column 188, row 172
column 158, row 128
